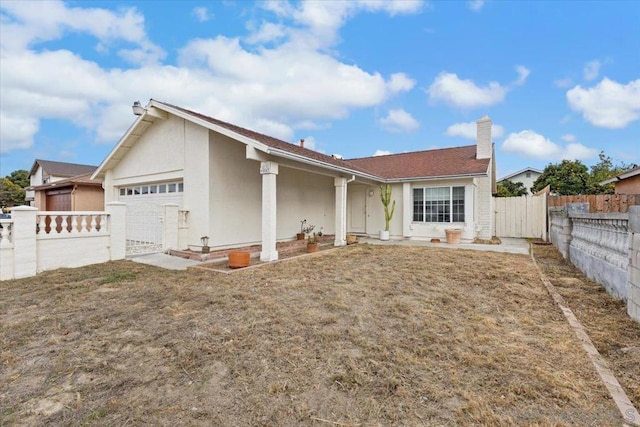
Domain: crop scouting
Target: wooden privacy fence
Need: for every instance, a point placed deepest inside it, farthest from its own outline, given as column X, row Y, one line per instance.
column 524, row 216
column 600, row 203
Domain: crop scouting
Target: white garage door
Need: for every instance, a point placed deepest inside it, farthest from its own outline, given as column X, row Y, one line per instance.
column 145, row 213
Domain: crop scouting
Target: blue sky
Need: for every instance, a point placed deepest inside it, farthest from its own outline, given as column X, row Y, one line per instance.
column 359, row 78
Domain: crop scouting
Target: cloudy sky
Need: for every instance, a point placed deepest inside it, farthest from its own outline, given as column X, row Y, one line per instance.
column 359, row 78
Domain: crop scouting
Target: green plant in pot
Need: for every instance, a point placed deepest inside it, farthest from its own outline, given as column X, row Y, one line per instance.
column 389, row 208
column 312, row 243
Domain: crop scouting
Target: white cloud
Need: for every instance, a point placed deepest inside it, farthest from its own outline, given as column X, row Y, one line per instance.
column 266, row 33
column 469, row 130
column 475, row 5
column 563, row 83
column 609, row 104
column 566, row 119
column 591, row 70
column 523, row 73
column 452, row 90
column 23, row 25
column 382, row 153
column 532, row 144
column 202, row 14
column 399, row 121
column 569, row 137
column 279, row 90
column 400, row 82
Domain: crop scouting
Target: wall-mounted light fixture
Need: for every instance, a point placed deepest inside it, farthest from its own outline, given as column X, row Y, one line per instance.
column 371, row 192
column 138, row 109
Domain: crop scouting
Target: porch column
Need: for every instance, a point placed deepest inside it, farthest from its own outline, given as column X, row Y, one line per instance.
column 407, row 210
column 269, row 171
column 341, row 211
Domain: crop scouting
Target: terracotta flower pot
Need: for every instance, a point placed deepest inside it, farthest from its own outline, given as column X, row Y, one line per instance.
column 300, row 236
column 238, row 259
column 312, row 247
column 453, row 235
column 351, row 239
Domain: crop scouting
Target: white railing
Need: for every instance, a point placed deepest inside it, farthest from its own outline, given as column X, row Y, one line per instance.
column 71, row 223
column 6, row 235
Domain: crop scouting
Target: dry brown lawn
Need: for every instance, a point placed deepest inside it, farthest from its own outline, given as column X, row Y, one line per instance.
column 364, row 335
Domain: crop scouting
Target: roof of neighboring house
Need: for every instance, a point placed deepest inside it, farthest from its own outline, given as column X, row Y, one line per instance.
column 62, row 168
column 625, row 175
column 443, row 162
column 519, row 172
column 446, row 162
column 84, row 179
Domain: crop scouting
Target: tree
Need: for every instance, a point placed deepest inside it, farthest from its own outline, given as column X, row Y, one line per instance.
column 10, row 194
column 509, row 188
column 20, row 177
column 604, row 170
column 567, row 178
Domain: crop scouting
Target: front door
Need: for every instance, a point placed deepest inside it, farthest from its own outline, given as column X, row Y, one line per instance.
column 357, row 211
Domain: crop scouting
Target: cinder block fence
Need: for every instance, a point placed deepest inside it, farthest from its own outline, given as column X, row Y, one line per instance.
column 604, row 246
column 32, row 241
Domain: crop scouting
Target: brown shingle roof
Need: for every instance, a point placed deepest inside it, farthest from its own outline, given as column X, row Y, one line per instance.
column 274, row 142
column 425, row 164
column 62, row 168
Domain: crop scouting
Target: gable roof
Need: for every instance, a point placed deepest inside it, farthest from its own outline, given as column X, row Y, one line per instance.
column 62, row 168
column 439, row 163
column 538, row 171
column 447, row 162
column 84, row 179
column 625, row 175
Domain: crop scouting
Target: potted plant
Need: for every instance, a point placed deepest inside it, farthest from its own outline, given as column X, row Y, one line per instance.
column 304, row 229
column 312, row 243
column 385, row 198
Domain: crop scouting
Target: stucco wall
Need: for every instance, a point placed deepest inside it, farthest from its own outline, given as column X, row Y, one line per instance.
column 633, row 287
column 629, row 185
column 88, row 198
column 527, row 182
column 597, row 244
column 158, row 155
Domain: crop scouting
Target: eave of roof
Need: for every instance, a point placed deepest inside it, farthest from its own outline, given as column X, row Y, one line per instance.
column 279, row 148
column 628, row 174
column 81, row 180
column 519, row 172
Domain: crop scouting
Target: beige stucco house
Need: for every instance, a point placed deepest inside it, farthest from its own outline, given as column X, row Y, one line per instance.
column 61, row 186
column 627, row 182
column 240, row 187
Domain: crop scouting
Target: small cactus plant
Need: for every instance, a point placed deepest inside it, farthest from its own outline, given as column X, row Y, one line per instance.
column 385, row 198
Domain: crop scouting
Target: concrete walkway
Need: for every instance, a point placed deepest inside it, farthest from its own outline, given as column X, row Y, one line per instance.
column 508, row 245
column 165, row 261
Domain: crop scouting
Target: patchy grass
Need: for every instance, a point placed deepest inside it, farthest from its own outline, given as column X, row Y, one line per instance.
column 365, row 335
column 613, row 332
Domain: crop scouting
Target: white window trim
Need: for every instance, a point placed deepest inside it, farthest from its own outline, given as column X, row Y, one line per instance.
column 424, row 213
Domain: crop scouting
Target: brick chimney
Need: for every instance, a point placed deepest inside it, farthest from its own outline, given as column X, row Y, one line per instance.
column 484, row 147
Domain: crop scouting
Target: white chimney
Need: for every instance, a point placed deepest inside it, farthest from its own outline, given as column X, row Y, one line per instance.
column 302, row 143
column 138, row 109
column 484, row 147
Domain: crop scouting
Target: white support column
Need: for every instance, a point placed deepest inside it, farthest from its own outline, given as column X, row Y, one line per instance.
column 269, row 171
column 170, row 232
column 341, row 211
column 407, row 209
column 117, row 229
column 24, row 241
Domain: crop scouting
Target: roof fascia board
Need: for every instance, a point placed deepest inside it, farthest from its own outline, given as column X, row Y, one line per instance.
column 434, row 178
column 285, row 154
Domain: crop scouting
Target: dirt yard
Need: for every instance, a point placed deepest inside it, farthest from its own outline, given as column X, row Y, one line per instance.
column 364, row 335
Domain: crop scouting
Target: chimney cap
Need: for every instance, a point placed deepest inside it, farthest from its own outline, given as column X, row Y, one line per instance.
column 484, row 118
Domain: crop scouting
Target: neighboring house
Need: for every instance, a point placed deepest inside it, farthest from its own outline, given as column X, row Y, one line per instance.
column 526, row 176
column 240, row 187
column 59, row 186
column 627, row 182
